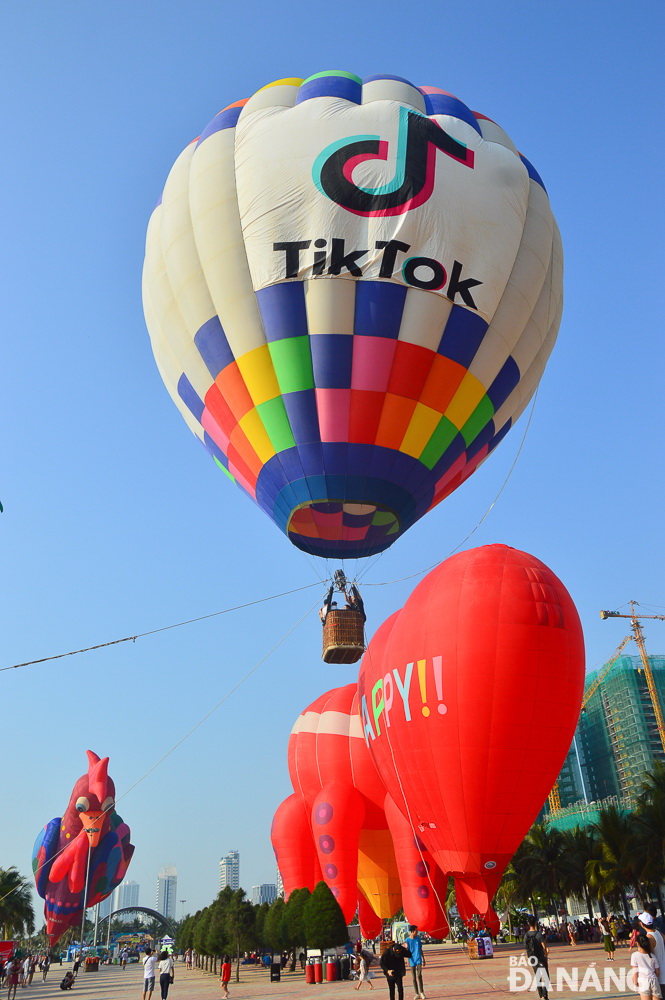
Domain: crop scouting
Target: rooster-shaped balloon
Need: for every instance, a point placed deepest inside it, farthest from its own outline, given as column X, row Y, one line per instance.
column 91, row 825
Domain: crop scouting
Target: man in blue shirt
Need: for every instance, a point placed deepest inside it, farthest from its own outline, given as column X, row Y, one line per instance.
column 416, row 961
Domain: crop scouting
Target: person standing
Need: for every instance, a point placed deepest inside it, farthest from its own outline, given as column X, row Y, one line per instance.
column 536, row 951
column 165, row 973
column 416, row 961
column 77, row 964
column 225, row 975
column 13, row 974
column 362, row 972
column 394, row 968
column 46, row 965
column 123, row 959
column 608, row 939
column 149, row 963
column 658, row 921
column 656, row 943
column 645, row 971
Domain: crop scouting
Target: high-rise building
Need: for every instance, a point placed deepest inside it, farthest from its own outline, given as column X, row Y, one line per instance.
column 229, row 871
column 279, row 882
column 618, row 729
column 126, row 895
column 266, row 893
column 167, row 891
column 616, row 740
column 104, row 908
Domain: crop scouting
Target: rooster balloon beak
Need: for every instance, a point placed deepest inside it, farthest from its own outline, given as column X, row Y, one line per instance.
column 93, row 823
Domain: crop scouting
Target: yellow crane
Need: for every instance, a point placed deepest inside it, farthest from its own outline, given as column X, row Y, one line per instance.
column 638, row 636
column 554, row 799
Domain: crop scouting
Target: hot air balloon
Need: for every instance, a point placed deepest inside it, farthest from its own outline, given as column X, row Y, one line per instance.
column 89, row 835
column 482, row 667
column 352, row 288
column 341, row 824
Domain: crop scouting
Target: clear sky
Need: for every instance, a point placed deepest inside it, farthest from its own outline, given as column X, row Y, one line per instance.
column 117, row 522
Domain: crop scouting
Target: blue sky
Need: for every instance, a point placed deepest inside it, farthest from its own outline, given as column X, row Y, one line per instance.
column 116, row 522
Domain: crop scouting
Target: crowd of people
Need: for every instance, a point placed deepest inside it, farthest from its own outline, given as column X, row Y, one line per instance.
column 645, row 938
column 20, row 971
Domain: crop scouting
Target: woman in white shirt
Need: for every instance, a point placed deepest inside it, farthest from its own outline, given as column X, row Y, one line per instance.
column 165, row 973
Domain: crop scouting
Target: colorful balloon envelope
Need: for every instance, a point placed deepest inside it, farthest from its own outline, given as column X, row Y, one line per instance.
column 90, row 835
column 352, row 288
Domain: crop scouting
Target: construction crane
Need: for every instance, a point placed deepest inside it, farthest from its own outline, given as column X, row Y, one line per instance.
column 554, row 799
column 638, row 636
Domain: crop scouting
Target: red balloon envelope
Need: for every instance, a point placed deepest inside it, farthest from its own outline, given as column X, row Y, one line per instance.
column 471, row 706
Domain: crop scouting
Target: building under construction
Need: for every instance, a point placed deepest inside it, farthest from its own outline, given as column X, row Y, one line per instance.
column 616, row 741
column 618, row 730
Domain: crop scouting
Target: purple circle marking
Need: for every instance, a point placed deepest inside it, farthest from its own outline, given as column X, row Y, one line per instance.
column 331, row 871
column 326, row 844
column 423, row 891
column 323, row 813
column 422, row 869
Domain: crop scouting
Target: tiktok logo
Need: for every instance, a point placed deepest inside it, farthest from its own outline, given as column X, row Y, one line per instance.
column 417, row 142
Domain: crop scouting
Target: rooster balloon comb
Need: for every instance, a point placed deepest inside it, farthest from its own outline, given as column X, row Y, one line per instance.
column 60, row 855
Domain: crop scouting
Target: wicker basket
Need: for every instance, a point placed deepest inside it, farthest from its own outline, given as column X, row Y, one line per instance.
column 343, row 636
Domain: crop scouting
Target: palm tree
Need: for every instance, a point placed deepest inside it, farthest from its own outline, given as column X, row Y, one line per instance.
column 650, row 828
column 17, row 916
column 580, row 845
column 544, row 864
column 517, row 885
column 622, row 859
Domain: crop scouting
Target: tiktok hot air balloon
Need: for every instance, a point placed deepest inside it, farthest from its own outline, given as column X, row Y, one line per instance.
column 352, row 288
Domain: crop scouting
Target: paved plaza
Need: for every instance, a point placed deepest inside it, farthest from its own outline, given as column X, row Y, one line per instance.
column 448, row 975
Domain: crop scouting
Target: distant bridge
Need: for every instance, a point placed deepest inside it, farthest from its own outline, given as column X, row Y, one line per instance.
column 164, row 921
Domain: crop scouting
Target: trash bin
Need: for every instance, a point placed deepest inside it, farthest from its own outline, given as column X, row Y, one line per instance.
column 345, row 967
column 331, row 971
column 318, row 972
column 309, row 972
column 275, row 972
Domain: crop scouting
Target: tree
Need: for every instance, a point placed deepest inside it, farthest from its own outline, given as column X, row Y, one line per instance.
column 293, row 920
column 274, row 928
column 580, row 845
column 185, row 934
column 239, row 924
column 217, row 938
column 622, row 859
column 17, row 916
column 201, row 934
column 517, row 884
column 650, row 828
column 323, row 920
column 260, row 914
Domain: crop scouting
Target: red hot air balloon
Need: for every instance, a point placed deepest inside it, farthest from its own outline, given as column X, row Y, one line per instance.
column 341, row 824
column 483, row 666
